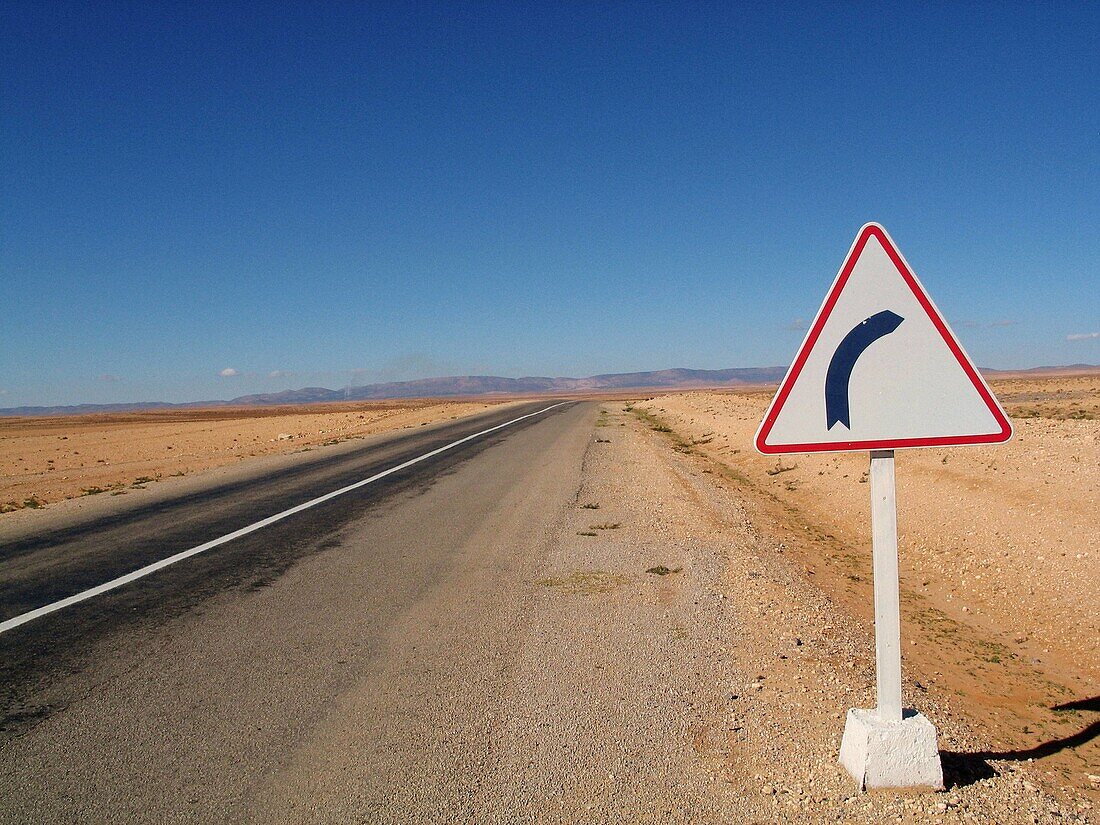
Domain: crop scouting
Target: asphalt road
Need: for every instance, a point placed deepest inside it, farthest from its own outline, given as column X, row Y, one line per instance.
column 178, row 697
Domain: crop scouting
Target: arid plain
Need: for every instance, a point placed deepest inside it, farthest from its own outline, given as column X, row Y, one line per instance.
column 998, row 550
column 54, row 458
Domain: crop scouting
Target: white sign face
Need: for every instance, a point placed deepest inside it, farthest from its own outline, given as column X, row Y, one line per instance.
column 880, row 369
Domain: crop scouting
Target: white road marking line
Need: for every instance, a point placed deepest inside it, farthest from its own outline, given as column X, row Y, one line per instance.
column 141, row 572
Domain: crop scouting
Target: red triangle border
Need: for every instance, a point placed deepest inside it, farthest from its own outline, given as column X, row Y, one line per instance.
column 914, row 285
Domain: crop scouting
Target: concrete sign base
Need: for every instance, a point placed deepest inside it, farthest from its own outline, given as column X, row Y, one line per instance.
column 897, row 754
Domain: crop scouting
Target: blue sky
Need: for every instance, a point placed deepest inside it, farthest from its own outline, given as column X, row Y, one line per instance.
column 336, row 193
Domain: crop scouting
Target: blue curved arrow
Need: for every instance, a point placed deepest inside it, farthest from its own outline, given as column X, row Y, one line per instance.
column 855, row 342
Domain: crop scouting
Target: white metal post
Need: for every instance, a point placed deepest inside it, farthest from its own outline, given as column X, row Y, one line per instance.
column 884, row 540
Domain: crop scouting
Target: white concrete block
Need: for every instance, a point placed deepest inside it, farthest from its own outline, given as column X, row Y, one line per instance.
column 893, row 754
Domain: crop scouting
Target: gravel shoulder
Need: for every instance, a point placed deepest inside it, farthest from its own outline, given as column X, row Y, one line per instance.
column 1000, row 598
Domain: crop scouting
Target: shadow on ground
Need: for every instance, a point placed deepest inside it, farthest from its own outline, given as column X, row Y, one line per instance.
column 962, row 769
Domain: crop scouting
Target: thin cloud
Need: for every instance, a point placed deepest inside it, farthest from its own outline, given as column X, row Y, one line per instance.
column 1000, row 324
column 108, row 378
column 1082, row 336
column 280, row 374
column 228, row 372
column 797, row 325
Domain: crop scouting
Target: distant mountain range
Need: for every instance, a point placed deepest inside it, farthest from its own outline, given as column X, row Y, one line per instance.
column 449, row 387
column 486, row 385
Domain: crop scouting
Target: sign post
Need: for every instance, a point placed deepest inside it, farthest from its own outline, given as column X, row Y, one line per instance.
column 881, row 370
column 884, row 549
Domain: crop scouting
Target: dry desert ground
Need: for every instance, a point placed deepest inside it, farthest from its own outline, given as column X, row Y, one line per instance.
column 54, row 458
column 998, row 554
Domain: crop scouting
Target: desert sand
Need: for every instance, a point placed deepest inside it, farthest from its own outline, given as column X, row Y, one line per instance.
column 998, row 551
column 50, row 459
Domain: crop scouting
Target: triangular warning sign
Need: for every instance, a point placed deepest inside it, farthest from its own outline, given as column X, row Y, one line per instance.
column 880, row 369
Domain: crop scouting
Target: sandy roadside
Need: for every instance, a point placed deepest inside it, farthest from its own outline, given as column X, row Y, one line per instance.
column 46, row 460
column 998, row 554
column 675, row 637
